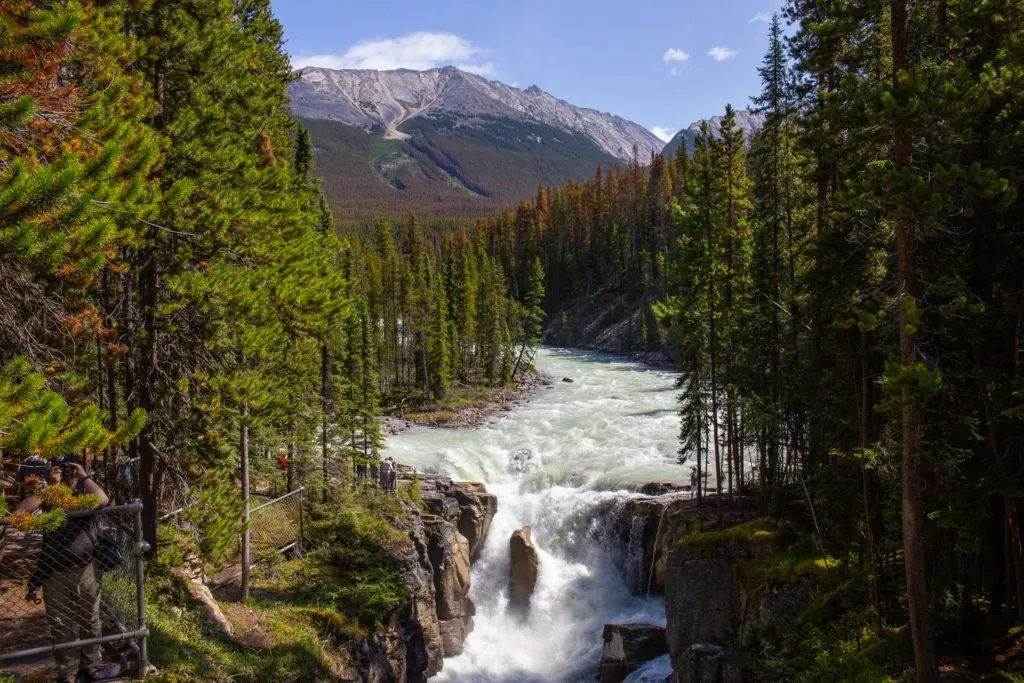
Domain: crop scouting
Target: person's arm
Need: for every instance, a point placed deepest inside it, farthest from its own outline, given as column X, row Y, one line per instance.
column 90, row 485
column 29, row 504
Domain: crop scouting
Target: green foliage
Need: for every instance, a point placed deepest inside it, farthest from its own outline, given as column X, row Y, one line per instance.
column 851, row 649
column 349, row 566
column 215, row 516
column 760, row 530
column 37, row 421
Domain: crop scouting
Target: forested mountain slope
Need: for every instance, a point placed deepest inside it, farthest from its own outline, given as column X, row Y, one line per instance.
column 445, row 142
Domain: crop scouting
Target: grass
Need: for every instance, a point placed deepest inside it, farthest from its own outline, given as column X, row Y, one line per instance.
column 301, row 612
column 184, row 647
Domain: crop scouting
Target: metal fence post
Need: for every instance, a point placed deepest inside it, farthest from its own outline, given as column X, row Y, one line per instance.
column 301, row 521
column 141, row 548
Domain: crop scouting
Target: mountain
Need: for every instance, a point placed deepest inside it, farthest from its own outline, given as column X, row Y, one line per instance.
column 445, row 142
column 749, row 121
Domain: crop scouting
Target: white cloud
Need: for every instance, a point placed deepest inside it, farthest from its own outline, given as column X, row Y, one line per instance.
column 674, row 54
column 763, row 17
column 665, row 134
column 421, row 50
column 487, row 70
column 720, row 54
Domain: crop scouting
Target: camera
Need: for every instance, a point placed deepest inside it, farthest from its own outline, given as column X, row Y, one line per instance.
column 66, row 465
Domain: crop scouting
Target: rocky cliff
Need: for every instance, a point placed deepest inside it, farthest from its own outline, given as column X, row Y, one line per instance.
column 443, row 538
column 722, row 585
column 603, row 322
column 647, row 529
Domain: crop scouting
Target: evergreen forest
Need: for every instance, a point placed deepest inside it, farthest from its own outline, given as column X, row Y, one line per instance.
column 842, row 295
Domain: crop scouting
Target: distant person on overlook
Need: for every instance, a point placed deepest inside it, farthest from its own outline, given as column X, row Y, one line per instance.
column 389, row 474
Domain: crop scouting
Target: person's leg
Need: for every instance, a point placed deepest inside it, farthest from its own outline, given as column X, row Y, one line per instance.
column 59, row 596
column 88, row 613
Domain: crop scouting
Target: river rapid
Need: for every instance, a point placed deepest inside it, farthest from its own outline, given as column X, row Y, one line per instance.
column 592, row 442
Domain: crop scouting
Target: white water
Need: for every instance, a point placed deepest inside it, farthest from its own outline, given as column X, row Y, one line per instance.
column 614, row 427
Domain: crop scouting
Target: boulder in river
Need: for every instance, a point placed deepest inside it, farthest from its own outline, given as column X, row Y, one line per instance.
column 567, row 379
column 660, row 488
column 523, row 571
column 627, row 646
column 521, row 461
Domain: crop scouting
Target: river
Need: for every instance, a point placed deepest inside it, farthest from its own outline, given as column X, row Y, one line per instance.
column 592, row 441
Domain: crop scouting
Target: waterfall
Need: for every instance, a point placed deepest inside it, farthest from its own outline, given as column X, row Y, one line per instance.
column 634, row 563
column 654, row 552
column 593, row 441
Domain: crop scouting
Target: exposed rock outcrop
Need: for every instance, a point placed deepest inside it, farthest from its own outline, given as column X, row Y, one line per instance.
column 748, row 121
column 720, row 587
column 523, row 571
column 603, row 322
column 371, row 99
column 646, row 529
column 626, row 646
column 435, row 563
column 191, row 573
column 710, row 664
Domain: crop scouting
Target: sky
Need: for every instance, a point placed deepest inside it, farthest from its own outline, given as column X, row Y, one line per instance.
column 661, row 63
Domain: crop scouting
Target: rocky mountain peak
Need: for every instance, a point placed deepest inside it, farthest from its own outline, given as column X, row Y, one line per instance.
column 748, row 121
column 386, row 99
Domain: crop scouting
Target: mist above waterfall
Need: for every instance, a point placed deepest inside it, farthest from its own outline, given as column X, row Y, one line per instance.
column 591, row 441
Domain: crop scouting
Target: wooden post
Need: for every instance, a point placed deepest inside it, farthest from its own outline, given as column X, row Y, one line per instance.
column 244, row 591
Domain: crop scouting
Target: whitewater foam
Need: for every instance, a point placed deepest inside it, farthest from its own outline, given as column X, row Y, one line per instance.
column 593, row 440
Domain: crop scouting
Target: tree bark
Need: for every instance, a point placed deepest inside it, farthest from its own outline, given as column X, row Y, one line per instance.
column 925, row 663
column 149, row 283
column 243, row 593
column 325, row 379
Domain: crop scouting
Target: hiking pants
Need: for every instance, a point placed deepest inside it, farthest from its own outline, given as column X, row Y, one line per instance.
column 72, row 598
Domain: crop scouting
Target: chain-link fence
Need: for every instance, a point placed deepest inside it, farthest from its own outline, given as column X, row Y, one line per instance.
column 71, row 595
column 277, row 525
column 120, row 480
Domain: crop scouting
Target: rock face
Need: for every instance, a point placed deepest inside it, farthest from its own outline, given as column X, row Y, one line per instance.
column 387, row 99
column 748, row 121
column 646, row 529
column 523, row 571
column 436, row 563
column 710, row 664
column 713, row 604
column 626, row 646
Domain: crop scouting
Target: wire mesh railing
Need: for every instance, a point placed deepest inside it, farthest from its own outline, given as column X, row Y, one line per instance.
column 71, row 596
column 277, row 525
column 120, row 480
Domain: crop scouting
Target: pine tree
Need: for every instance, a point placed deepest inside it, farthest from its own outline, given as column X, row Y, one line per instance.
column 532, row 315
column 468, row 287
column 37, row 421
column 439, row 337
